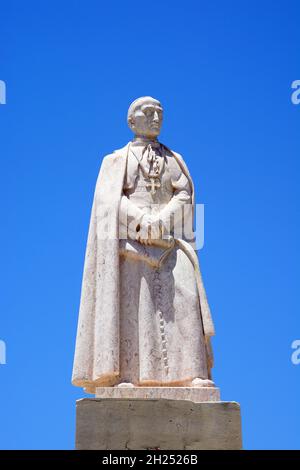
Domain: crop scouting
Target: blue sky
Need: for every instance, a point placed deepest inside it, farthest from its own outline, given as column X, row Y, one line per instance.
column 223, row 71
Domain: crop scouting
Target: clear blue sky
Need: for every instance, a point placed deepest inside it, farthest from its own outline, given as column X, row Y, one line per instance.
column 223, row 71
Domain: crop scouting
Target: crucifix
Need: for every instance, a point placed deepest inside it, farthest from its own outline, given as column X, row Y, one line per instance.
column 154, row 184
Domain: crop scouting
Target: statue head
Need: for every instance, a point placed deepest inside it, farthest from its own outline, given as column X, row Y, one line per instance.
column 145, row 117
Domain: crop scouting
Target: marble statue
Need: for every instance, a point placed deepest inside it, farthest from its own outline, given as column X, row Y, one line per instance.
column 144, row 319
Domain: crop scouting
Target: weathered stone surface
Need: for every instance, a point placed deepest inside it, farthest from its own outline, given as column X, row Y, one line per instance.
column 144, row 316
column 165, row 424
column 195, row 394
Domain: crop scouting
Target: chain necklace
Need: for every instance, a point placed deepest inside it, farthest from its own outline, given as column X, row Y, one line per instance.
column 154, row 162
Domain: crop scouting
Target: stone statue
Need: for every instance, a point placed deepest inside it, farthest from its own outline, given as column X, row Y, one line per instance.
column 144, row 320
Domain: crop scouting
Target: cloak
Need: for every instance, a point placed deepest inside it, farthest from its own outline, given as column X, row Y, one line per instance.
column 96, row 361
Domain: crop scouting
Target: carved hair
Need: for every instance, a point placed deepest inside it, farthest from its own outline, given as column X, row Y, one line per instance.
column 137, row 104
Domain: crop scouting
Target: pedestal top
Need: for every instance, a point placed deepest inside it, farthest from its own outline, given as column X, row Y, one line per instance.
column 195, row 394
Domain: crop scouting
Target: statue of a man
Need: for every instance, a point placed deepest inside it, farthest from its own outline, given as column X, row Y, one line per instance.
column 144, row 319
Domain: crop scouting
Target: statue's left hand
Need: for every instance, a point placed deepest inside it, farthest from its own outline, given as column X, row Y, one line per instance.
column 150, row 229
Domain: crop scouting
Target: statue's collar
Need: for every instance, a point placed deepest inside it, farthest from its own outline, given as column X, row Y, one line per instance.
column 143, row 142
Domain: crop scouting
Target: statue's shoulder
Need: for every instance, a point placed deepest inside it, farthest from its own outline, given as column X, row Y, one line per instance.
column 121, row 152
column 112, row 168
column 172, row 153
column 179, row 159
column 115, row 156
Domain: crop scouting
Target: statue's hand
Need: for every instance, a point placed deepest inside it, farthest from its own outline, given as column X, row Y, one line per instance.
column 149, row 230
column 156, row 231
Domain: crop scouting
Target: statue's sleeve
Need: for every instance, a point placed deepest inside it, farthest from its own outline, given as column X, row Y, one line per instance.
column 172, row 214
column 130, row 217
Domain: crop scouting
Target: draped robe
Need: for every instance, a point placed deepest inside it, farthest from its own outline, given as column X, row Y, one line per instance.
column 140, row 321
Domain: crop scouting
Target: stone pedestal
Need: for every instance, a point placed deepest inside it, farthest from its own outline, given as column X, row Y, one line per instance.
column 124, row 423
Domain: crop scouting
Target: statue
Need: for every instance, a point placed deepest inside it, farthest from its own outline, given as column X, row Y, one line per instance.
column 144, row 320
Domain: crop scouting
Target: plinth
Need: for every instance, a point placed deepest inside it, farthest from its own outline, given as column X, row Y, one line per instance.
column 114, row 423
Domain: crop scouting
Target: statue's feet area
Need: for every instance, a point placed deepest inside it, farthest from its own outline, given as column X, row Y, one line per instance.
column 197, row 390
column 197, row 382
column 125, row 385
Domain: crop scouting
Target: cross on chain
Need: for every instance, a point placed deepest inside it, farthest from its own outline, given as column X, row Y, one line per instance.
column 154, row 184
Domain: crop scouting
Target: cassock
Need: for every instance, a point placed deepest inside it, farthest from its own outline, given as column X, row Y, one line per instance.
column 144, row 316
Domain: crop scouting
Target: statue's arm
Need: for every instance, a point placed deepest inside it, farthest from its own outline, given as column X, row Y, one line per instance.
column 130, row 217
column 172, row 214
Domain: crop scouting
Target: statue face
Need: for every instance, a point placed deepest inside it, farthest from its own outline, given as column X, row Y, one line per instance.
column 147, row 119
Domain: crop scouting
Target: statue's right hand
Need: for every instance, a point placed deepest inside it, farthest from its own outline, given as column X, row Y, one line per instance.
column 150, row 230
column 143, row 230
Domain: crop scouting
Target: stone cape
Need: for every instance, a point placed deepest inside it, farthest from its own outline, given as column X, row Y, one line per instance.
column 97, row 354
